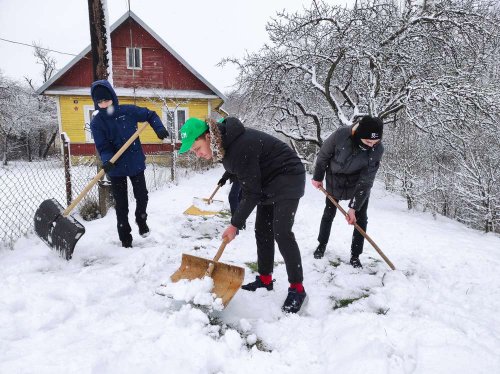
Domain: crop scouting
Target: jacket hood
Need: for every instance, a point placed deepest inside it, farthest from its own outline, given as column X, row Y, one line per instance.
column 108, row 86
column 231, row 128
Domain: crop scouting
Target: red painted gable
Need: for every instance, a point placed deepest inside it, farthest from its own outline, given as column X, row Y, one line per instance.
column 160, row 69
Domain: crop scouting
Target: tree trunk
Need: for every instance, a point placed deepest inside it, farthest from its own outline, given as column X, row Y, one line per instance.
column 47, row 147
column 42, row 139
column 6, row 151
column 409, row 202
column 28, row 148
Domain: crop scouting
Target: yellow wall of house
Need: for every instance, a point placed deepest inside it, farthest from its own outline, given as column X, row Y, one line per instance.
column 73, row 114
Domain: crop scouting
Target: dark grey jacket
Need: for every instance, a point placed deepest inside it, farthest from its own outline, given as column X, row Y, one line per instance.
column 267, row 168
column 350, row 171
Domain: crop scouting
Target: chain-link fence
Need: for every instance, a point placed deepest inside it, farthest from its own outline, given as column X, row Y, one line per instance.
column 24, row 185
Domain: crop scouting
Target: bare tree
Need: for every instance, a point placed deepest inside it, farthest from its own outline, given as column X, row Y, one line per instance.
column 44, row 58
column 429, row 69
column 329, row 65
column 46, row 105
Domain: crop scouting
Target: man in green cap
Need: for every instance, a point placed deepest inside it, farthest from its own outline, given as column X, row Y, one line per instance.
column 272, row 179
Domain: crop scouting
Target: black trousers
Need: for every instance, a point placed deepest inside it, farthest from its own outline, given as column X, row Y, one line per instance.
column 274, row 223
column 119, row 188
column 326, row 225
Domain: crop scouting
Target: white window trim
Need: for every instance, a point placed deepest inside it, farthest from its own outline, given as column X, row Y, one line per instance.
column 86, row 125
column 127, row 57
column 174, row 131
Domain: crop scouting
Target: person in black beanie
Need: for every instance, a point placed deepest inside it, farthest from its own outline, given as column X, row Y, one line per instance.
column 350, row 158
column 111, row 127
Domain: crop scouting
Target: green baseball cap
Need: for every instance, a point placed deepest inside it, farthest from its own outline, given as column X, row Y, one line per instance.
column 190, row 131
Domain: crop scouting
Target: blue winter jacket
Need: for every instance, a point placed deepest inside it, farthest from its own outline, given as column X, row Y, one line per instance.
column 112, row 130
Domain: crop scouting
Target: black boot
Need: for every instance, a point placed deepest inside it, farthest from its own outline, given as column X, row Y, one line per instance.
column 320, row 251
column 355, row 262
column 127, row 243
column 143, row 228
column 252, row 286
column 294, row 301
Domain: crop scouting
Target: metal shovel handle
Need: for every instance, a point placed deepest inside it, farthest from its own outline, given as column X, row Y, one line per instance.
column 99, row 175
column 361, row 231
column 216, row 258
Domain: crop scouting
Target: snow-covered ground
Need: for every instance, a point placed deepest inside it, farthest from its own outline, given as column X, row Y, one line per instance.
column 99, row 313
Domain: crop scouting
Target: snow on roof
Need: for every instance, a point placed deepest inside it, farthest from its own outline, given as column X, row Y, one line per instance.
column 139, row 92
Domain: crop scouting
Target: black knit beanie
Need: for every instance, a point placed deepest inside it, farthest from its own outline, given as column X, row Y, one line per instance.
column 370, row 128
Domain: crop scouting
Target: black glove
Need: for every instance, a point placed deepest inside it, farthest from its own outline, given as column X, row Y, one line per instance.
column 107, row 166
column 222, row 182
column 162, row 133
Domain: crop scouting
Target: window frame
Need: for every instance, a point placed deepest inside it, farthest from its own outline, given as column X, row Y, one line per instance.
column 88, row 110
column 176, row 128
column 128, row 49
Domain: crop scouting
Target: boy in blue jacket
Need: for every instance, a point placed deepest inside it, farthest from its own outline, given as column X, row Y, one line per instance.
column 111, row 127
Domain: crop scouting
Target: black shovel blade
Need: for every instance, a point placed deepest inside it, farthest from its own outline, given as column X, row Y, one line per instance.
column 58, row 232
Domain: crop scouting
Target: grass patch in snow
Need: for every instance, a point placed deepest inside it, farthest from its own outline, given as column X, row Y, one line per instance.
column 255, row 268
column 90, row 210
column 342, row 303
column 259, row 344
column 244, row 330
column 224, row 214
column 335, row 263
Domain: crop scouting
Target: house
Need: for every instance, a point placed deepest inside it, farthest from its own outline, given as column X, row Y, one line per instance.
column 146, row 72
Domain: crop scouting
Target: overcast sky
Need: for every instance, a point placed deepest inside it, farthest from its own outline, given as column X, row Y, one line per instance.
column 201, row 31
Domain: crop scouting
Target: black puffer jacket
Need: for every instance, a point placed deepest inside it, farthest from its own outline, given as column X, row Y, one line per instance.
column 267, row 168
column 350, row 171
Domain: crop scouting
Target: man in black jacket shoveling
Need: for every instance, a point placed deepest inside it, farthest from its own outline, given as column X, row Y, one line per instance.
column 350, row 157
column 272, row 179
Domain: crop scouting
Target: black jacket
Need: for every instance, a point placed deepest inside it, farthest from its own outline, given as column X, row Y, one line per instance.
column 350, row 171
column 267, row 169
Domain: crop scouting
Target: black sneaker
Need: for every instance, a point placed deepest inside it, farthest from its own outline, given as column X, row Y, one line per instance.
column 143, row 229
column 320, row 251
column 355, row 263
column 252, row 286
column 127, row 243
column 294, row 301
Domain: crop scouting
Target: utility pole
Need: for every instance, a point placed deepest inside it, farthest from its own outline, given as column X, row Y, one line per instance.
column 100, row 42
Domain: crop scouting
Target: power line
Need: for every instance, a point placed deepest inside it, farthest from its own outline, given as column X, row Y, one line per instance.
column 32, row 46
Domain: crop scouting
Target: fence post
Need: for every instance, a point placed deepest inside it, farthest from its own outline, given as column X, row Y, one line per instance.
column 106, row 199
column 67, row 167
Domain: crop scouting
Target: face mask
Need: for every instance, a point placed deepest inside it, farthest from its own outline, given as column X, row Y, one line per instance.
column 363, row 146
column 357, row 140
column 110, row 110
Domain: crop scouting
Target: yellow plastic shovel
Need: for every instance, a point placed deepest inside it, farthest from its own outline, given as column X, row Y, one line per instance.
column 206, row 210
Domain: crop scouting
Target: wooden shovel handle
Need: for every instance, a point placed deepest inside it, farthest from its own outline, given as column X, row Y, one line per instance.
column 361, row 231
column 209, row 201
column 216, row 258
column 99, row 175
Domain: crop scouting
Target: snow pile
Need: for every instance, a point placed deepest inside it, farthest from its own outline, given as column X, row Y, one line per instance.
column 196, row 291
column 214, row 206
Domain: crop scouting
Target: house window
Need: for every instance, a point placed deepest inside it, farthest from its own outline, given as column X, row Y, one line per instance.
column 175, row 119
column 88, row 111
column 134, row 58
